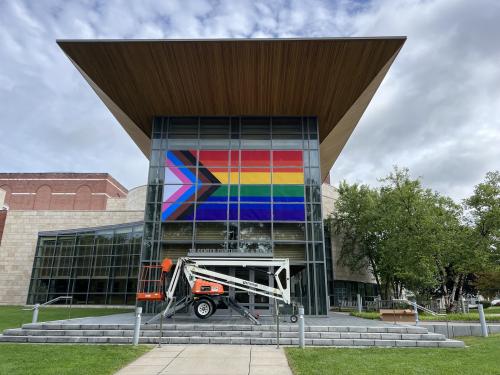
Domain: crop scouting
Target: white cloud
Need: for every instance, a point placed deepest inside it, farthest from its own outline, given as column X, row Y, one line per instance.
column 437, row 112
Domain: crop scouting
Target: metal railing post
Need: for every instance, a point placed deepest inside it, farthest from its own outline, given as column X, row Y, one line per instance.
column 277, row 307
column 161, row 329
column 415, row 308
column 137, row 327
column 35, row 313
column 301, row 328
column 482, row 320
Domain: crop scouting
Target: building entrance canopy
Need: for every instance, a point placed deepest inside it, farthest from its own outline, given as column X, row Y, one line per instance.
column 332, row 79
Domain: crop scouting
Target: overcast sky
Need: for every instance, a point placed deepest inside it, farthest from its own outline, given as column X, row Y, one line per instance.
column 437, row 111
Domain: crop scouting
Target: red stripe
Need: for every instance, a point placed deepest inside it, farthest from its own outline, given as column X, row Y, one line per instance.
column 258, row 158
column 256, row 169
column 214, row 157
column 287, row 169
column 283, row 158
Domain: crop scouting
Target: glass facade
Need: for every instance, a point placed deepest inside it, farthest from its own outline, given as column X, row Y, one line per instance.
column 94, row 265
column 239, row 186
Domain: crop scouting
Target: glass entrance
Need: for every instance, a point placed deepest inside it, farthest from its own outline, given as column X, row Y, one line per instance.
column 255, row 303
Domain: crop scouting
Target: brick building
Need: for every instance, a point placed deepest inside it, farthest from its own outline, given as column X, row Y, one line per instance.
column 59, row 191
column 32, row 203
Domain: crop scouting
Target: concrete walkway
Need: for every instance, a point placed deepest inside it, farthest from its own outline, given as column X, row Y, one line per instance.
column 210, row 360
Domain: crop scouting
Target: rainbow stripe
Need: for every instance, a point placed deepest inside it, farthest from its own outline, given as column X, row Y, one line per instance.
column 266, row 184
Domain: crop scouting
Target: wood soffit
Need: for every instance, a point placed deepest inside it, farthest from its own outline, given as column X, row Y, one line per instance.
column 323, row 77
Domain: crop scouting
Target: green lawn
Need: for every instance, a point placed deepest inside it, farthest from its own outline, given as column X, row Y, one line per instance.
column 481, row 357
column 471, row 317
column 14, row 316
column 41, row 359
column 492, row 310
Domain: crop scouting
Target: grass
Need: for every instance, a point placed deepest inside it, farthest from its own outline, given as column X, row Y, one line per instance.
column 45, row 359
column 471, row 317
column 481, row 357
column 492, row 310
column 14, row 316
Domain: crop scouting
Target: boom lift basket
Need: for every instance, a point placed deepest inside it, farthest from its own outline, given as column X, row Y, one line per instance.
column 152, row 281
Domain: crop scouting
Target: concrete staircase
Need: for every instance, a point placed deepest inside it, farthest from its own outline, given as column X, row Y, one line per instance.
column 242, row 334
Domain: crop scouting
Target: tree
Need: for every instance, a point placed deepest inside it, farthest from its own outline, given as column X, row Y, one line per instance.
column 484, row 219
column 484, row 215
column 412, row 238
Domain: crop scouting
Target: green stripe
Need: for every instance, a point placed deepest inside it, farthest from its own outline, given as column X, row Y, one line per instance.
column 255, row 190
column 288, row 191
column 233, row 190
column 220, row 192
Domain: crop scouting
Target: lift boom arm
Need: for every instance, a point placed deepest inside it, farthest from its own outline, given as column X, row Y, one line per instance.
column 194, row 268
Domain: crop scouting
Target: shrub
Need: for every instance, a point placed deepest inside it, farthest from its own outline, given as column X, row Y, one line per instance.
column 486, row 304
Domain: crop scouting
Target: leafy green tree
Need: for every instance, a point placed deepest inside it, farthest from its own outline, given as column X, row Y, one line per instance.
column 484, row 216
column 412, row 238
column 483, row 209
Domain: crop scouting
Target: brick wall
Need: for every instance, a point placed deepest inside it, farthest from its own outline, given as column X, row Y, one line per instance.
column 60, row 191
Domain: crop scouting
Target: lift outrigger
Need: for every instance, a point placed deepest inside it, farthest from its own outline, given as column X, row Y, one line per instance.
column 207, row 286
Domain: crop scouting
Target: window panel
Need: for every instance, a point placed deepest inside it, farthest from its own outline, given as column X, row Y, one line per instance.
column 255, row 158
column 177, row 231
column 255, row 211
column 289, row 232
column 177, row 211
column 287, row 158
column 213, row 193
column 288, row 212
column 213, row 158
column 255, row 231
column 288, row 193
column 211, row 211
column 180, row 176
column 211, row 231
column 255, row 193
column 288, row 176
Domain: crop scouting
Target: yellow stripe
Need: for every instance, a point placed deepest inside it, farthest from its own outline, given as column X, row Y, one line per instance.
column 223, row 177
column 285, row 178
column 257, row 178
column 260, row 178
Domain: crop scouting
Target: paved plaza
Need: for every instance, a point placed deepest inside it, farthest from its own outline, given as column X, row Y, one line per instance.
column 210, row 360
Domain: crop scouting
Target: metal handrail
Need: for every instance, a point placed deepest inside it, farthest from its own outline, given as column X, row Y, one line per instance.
column 416, row 307
column 414, row 304
column 50, row 302
column 38, row 306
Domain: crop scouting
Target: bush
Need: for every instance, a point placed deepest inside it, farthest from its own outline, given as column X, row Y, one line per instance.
column 486, row 304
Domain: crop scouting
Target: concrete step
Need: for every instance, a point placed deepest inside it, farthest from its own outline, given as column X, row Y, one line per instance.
column 386, row 336
column 249, row 334
column 234, row 341
column 228, row 327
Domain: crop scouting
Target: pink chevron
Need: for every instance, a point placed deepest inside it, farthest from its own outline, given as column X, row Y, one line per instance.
column 177, row 172
column 178, row 193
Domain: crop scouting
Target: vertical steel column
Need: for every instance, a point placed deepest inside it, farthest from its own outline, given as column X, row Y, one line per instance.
column 137, row 327
column 277, row 308
column 359, row 302
column 482, row 320
column 35, row 313
column 301, row 327
column 416, row 313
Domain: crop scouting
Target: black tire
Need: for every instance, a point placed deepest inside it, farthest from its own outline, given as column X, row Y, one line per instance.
column 294, row 318
column 203, row 308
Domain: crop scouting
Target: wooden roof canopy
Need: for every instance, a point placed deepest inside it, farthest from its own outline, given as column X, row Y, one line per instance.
column 331, row 78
